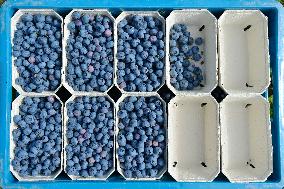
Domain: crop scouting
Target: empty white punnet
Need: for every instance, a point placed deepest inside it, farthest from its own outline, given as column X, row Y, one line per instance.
column 67, row 20
column 71, row 99
column 16, row 19
column 124, row 15
column 15, row 111
column 193, row 138
column 146, row 95
column 246, row 138
column 200, row 23
column 243, row 51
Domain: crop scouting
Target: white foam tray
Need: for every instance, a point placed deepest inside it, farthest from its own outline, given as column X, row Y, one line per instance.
column 14, row 20
column 193, row 138
column 194, row 19
column 246, row 138
column 123, row 15
column 66, row 140
column 121, row 99
column 15, row 111
column 66, row 35
column 243, row 51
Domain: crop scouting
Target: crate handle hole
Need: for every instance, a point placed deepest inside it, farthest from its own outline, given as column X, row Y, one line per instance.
column 247, row 85
column 203, row 104
column 202, row 28
column 203, row 164
column 250, row 164
column 248, row 27
column 247, row 105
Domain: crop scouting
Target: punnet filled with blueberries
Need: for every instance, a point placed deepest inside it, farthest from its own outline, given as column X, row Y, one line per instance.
column 140, row 51
column 141, row 137
column 36, row 138
column 89, row 137
column 191, row 59
column 37, row 52
column 89, row 51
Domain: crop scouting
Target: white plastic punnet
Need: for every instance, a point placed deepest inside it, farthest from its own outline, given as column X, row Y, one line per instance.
column 15, row 111
column 14, row 20
column 246, row 138
column 243, row 51
column 200, row 23
column 72, row 98
column 124, row 15
column 193, row 138
column 67, row 20
column 146, row 95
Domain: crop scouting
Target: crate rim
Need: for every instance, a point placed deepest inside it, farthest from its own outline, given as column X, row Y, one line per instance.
column 6, row 86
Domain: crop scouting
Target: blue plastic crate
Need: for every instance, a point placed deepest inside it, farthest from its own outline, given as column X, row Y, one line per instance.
column 272, row 9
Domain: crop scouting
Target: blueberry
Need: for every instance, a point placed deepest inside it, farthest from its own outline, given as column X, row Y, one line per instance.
column 196, row 57
column 122, row 114
column 174, row 35
column 177, row 27
column 195, row 49
column 174, row 51
column 198, row 41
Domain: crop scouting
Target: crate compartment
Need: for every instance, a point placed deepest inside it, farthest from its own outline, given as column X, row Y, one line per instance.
column 145, row 65
column 90, row 77
column 15, row 74
column 153, row 143
column 244, row 55
column 13, row 126
column 246, row 138
column 200, row 23
column 193, row 133
column 83, row 138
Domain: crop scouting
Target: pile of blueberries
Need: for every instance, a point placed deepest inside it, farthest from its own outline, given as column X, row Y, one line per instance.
column 140, row 53
column 90, row 52
column 141, row 137
column 38, row 137
column 185, row 55
column 90, row 137
column 37, row 51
